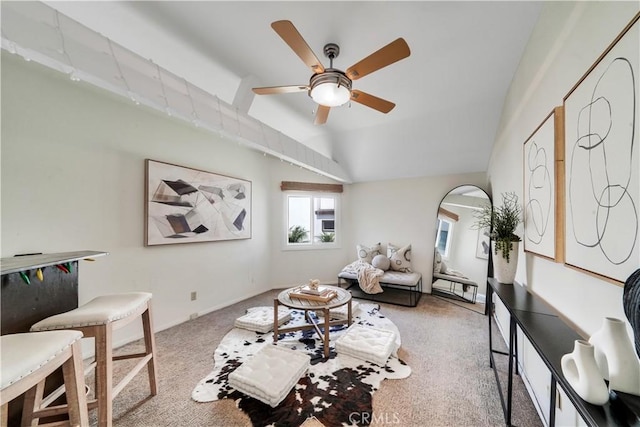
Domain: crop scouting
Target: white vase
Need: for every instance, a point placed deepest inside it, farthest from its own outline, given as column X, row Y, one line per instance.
column 581, row 371
column 616, row 357
column 503, row 271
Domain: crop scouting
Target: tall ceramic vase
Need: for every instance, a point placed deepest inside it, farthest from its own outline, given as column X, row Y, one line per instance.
column 581, row 371
column 503, row 271
column 616, row 357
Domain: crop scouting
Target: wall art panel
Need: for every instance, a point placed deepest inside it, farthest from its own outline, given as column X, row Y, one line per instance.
column 540, row 187
column 185, row 205
column 602, row 162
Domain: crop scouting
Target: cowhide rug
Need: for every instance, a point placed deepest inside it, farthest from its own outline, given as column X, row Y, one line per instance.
column 337, row 391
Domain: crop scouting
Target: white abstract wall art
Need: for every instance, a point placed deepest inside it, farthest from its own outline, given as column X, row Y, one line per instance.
column 539, row 166
column 602, row 181
column 185, row 205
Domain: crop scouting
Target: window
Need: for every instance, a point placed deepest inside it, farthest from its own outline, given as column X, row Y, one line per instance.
column 443, row 236
column 311, row 220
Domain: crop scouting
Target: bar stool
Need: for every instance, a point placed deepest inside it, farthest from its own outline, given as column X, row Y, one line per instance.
column 28, row 359
column 98, row 319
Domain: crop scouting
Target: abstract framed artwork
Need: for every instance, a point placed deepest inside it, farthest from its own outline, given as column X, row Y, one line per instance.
column 543, row 155
column 185, row 205
column 602, row 183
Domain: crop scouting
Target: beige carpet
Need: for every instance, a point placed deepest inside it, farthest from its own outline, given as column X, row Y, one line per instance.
column 445, row 345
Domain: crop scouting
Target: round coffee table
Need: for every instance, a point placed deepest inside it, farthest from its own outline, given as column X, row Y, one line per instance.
column 285, row 298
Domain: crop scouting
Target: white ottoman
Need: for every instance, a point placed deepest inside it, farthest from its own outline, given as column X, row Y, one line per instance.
column 270, row 374
column 367, row 343
column 260, row 319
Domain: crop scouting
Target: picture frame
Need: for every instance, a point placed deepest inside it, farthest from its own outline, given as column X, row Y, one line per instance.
column 186, row 205
column 543, row 178
column 602, row 162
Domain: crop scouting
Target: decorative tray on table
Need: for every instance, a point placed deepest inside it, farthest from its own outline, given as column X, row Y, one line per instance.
column 321, row 294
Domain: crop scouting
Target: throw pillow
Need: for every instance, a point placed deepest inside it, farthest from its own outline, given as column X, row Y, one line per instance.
column 437, row 262
column 366, row 253
column 400, row 257
column 381, row 262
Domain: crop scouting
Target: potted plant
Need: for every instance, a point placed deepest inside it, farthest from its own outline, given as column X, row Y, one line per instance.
column 297, row 234
column 326, row 237
column 502, row 221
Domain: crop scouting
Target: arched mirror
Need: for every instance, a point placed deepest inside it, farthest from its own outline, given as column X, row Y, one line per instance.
column 462, row 252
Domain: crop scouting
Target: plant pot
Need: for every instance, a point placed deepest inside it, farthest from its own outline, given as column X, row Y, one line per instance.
column 581, row 371
column 503, row 271
column 615, row 356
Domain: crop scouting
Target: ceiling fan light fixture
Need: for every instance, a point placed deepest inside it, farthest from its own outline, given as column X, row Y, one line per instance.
column 331, row 88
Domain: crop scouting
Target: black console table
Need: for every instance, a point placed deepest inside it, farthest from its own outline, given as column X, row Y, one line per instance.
column 552, row 338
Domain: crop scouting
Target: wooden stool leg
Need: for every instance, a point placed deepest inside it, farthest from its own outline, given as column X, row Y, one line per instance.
column 73, row 372
column 4, row 415
column 150, row 348
column 32, row 401
column 104, row 374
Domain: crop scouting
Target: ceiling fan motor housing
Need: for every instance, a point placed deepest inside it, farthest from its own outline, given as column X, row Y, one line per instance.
column 331, row 88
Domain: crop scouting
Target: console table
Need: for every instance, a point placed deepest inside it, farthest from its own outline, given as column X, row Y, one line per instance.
column 552, row 338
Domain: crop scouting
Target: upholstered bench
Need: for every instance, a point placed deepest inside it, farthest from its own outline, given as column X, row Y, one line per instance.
column 270, row 374
column 260, row 319
column 407, row 287
column 367, row 343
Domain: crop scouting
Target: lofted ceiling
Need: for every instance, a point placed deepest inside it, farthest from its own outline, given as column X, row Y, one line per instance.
column 449, row 93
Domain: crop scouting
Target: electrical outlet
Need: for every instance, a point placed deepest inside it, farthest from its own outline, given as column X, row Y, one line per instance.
column 194, row 296
column 193, row 316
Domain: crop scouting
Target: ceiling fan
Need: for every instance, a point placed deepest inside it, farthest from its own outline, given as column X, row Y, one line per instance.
column 330, row 87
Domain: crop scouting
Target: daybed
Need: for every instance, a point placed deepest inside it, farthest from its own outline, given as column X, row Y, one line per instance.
column 381, row 278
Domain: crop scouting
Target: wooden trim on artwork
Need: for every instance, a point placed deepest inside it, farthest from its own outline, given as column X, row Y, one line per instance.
column 558, row 123
column 311, row 186
column 607, row 50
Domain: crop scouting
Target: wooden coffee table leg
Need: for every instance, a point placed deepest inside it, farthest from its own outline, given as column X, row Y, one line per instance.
column 349, row 314
column 275, row 320
column 326, row 332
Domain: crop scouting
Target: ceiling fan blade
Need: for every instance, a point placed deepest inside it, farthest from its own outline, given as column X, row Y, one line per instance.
column 371, row 101
column 279, row 89
column 393, row 52
column 292, row 37
column 321, row 115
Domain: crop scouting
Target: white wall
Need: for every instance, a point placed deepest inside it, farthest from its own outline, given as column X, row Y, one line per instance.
column 73, row 179
column 290, row 267
column 568, row 38
column 401, row 212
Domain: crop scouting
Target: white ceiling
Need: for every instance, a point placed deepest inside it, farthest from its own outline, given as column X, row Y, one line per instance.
column 449, row 93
